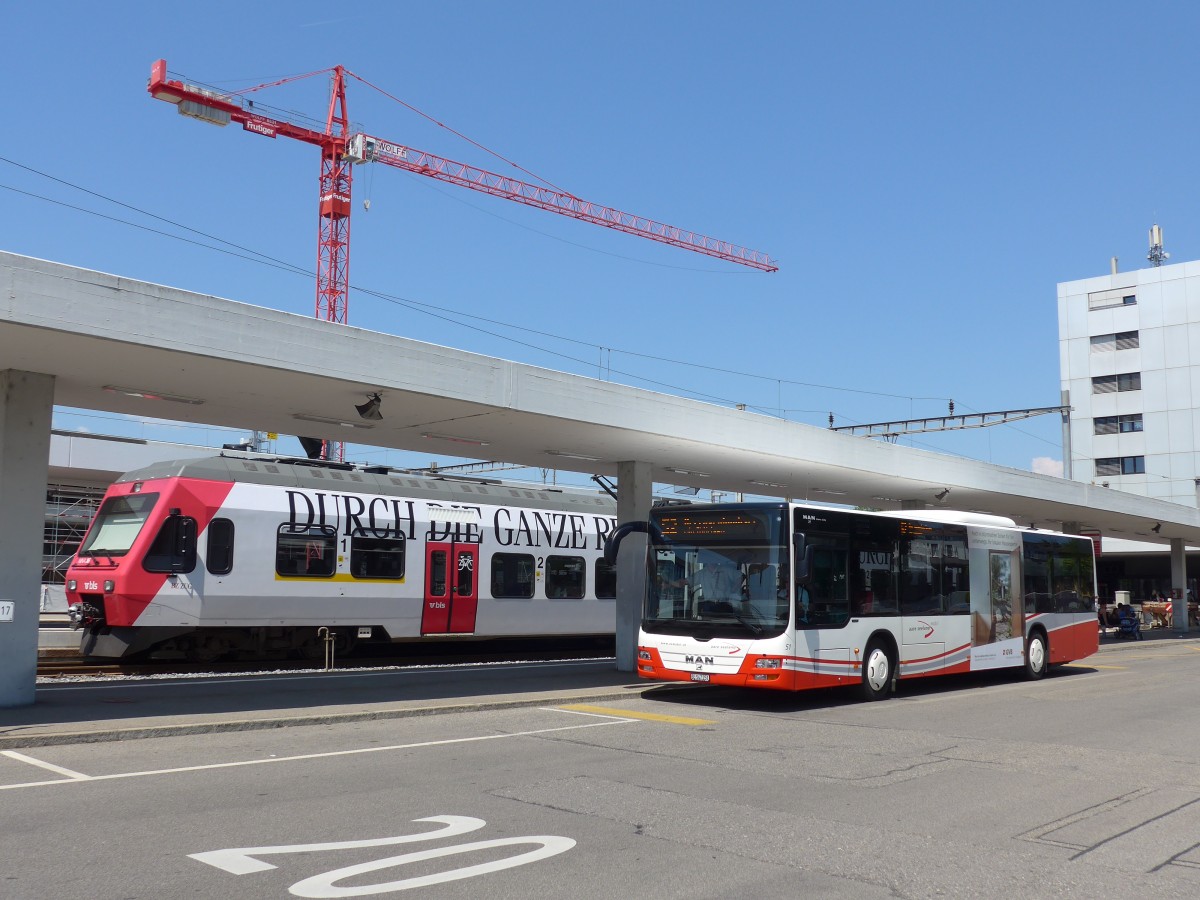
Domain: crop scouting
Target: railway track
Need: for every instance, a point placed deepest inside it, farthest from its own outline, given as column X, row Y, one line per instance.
column 397, row 655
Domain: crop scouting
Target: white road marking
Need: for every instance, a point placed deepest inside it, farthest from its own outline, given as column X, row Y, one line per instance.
column 322, row 886
column 243, row 861
column 70, row 773
column 594, row 715
column 328, row 755
column 246, row 861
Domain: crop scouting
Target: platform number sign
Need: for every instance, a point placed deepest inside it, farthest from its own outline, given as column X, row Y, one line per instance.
column 247, row 860
column 6, row 610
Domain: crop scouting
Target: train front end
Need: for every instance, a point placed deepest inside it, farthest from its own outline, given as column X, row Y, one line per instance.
column 141, row 546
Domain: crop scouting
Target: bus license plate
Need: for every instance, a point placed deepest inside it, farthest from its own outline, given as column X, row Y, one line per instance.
column 701, row 676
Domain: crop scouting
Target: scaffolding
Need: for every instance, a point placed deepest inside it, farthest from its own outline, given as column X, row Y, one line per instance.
column 69, row 511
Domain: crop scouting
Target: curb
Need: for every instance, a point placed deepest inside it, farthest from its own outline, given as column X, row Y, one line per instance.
column 139, row 732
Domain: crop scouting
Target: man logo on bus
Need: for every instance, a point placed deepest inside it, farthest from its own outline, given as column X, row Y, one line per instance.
column 698, row 660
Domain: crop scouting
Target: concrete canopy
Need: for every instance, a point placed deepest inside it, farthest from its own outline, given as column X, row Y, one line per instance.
column 207, row 360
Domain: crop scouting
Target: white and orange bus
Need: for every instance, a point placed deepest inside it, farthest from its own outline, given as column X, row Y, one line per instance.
column 790, row 597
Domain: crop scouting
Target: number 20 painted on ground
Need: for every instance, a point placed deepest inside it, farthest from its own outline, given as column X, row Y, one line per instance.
column 244, row 860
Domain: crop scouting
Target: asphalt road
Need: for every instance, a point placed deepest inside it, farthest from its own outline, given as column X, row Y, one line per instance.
column 1083, row 785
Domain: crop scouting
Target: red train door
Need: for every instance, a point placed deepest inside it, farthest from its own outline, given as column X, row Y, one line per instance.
column 451, row 590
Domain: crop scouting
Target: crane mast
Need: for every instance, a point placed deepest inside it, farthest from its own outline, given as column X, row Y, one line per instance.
column 333, row 241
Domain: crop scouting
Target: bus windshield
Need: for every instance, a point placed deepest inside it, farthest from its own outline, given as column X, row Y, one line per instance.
column 117, row 525
column 719, row 573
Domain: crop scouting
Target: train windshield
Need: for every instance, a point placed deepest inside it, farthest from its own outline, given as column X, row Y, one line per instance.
column 718, row 573
column 117, row 525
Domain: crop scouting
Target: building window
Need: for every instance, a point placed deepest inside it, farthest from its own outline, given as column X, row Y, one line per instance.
column 1108, row 384
column 1108, row 299
column 1121, row 465
column 1122, row 340
column 1118, row 424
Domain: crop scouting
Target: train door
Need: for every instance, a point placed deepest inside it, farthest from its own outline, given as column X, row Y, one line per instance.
column 451, row 589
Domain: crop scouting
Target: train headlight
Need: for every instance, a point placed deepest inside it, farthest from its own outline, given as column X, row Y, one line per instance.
column 766, row 663
column 72, row 585
column 109, row 586
column 644, row 654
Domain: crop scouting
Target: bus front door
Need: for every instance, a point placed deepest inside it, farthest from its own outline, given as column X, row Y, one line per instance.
column 451, row 589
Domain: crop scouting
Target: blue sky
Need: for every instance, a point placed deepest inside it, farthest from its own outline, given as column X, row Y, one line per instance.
column 924, row 173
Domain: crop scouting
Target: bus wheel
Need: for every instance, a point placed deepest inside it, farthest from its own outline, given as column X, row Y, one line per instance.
column 1036, row 655
column 876, row 672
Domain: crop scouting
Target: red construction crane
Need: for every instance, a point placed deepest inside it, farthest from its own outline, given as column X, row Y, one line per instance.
column 340, row 150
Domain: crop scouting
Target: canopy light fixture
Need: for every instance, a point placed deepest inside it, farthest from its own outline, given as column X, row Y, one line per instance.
column 570, row 454
column 151, row 395
column 370, row 409
column 770, row 484
column 455, row 439
column 830, row 491
column 326, row 420
column 687, row 472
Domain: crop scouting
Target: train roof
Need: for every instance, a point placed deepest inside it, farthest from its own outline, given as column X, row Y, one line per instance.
column 315, row 475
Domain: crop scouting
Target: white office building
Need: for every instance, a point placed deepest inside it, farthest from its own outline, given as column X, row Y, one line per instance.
column 1129, row 350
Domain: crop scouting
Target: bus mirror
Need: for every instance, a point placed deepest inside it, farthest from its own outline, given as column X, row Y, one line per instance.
column 612, row 543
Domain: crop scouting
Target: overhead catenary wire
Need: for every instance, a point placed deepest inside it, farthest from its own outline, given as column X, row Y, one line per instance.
column 455, row 316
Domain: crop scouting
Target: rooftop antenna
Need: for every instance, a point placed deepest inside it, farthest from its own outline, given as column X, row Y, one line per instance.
column 1156, row 254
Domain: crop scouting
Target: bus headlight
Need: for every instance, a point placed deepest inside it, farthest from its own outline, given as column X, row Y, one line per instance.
column 644, row 655
column 767, row 663
column 109, row 586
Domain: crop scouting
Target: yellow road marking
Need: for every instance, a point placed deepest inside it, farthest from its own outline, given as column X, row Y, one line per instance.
column 627, row 714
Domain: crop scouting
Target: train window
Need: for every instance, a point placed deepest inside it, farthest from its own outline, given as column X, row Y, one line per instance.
column 377, row 557
column 218, row 558
column 437, row 573
column 306, row 551
column 564, row 577
column 117, row 525
column 606, row 580
column 466, row 573
column 512, row 575
column 174, row 547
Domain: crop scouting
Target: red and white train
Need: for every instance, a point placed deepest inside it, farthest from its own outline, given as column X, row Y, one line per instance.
column 241, row 555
